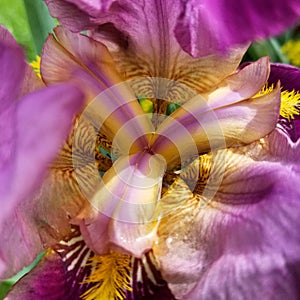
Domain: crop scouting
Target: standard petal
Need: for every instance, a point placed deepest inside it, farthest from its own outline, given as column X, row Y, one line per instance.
column 150, row 49
column 197, row 124
column 80, row 59
column 206, row 26
column 128, row 195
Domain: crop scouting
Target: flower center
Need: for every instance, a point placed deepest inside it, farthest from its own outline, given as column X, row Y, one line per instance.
column 36, row 65
column 290, row 102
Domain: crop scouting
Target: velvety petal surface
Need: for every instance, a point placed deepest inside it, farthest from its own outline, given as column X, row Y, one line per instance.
column 59, row 274
column 287, row 74
column 247, row 231
column 206, row 26
column 63, row 270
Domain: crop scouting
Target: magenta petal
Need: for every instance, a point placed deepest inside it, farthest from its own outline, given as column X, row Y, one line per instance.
column 243, row 242
column 43, row 121
column 207, row 26
column 93, row 7
column 61, row 273
column 68, row 14
column 11, row 75
column 58, row 275
column 289, row 76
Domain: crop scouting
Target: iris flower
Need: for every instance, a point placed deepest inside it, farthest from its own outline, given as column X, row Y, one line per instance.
column 29, row 137
column 178, row 180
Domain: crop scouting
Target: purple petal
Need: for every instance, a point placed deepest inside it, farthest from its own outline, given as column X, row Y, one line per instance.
column 69, row 14
column 248, row 231
column 207, row 26
column 46, row 108
column 61, row 273
column 11, row 75
column 289, row 77
column 37, row 141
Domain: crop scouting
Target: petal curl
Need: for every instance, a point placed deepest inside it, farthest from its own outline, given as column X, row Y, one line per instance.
column 206, row 26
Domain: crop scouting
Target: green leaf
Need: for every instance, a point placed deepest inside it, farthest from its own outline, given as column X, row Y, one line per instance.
column 8, row 283
column 13, row 16
column 40, row 22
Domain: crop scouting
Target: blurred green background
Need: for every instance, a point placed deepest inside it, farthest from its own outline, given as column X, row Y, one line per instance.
column 30, row 23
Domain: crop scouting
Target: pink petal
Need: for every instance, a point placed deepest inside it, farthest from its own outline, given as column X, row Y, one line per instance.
column 128, row 195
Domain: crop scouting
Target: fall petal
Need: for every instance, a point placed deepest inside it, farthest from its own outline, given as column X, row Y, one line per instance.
column 287, row 74
column 69, row 271
column 62, row 102
column 205, row 27
column 252, row 218
column 59, row 275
